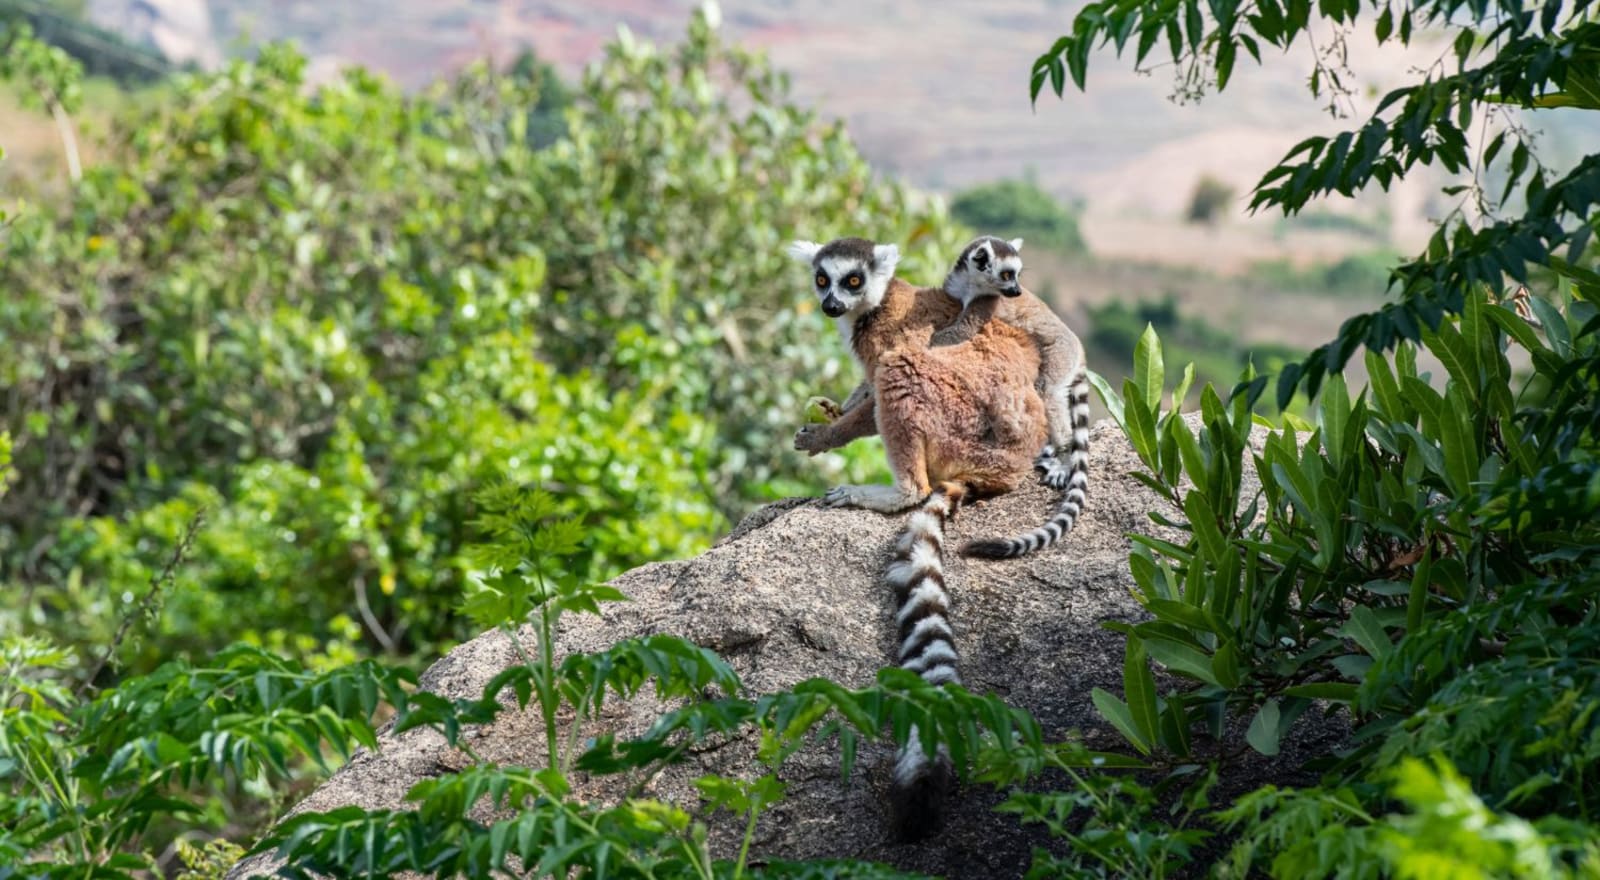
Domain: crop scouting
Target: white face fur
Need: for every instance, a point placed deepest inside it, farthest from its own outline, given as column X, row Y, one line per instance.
column 849, row 276
column 988, row 266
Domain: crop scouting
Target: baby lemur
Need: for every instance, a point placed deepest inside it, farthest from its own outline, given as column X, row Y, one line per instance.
column 988, row 266
column 955, row 419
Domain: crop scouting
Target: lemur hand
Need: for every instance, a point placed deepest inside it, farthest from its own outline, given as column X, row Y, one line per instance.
column 812, row 439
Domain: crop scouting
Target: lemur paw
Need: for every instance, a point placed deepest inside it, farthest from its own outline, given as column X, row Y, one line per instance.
column 811, row 439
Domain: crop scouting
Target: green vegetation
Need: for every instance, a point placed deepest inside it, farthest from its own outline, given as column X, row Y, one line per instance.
column 309, row 376
column 1211, row 201
column 1502, row 54
column 323, row 318
column 1019, row 209
column 1429, row 559
column 1366, row 273
column 1115, row 329
column 99, row 52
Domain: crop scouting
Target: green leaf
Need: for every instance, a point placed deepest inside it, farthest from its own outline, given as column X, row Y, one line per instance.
column 1109, row 399
column 1225, row 665
column 1183, row 614
column 1182, row 659
column 1203, row 520
column 1182, row 391
column 1116, row 712
column 1337, row 691
column 1264, row 733
column 1141, row 428
column 1140, row 684
column 1148, row 372
column 1363, row 627
column 1335, row 412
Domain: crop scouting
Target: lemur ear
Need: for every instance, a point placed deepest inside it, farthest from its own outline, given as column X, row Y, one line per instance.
column 885, row 257
column 1016, row 244
column 803, row 251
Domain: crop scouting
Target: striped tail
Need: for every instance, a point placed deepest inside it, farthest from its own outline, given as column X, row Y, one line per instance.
column 927, row 647
column 1066, row 515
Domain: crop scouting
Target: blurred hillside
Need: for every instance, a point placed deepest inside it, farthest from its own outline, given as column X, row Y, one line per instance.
column 936, row 98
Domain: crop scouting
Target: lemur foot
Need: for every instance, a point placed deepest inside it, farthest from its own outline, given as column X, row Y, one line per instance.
column 1055, row 474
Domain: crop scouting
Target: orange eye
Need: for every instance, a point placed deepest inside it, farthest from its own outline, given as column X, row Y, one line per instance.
column 854, row 281
column 822, row 280
column 1007, row 275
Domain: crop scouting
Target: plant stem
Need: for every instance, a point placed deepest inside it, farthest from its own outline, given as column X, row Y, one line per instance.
column 744, row 847
column 548, row 698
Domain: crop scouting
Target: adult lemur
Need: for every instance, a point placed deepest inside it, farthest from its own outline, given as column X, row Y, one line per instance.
column 988, row 266
column 955, row 419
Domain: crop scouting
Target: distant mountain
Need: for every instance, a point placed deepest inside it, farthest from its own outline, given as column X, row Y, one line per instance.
column 179, row 29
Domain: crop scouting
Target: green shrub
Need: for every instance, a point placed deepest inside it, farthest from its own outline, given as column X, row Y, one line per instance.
column 1019, row 208
column 1116, row 326
column 1361, row 274
column 1211, row 201
column 1427, row 557
column 325, row 316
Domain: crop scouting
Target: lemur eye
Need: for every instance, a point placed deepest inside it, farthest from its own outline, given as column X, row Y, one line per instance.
column 822, row 280
column 1007, row 275
column 854, row 281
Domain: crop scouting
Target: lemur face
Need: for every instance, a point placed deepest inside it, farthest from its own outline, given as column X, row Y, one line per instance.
column 849, row 275
column 992, row 265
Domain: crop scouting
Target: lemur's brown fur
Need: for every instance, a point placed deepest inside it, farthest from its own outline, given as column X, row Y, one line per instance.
column 942, row 318
column 964, row 413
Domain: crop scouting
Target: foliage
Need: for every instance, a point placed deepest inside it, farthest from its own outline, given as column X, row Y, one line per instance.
column 327, row 316
column 1019, row 208
column 539, row 827
column 1113, row 826
column 1446, row 831
column 99, row 52
column 1116, row 326
column 1501, row 55
column 86, row 783
column 1425, row 557
column 547, row 117
column 1210, row 202
column 5, row 462
column 1361, row 274
column 51, row 78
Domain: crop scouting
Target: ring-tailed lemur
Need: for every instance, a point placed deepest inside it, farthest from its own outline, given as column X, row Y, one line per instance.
column 988, row 265
column 963, row 418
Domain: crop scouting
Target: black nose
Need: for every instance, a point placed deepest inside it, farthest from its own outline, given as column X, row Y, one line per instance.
column 832, row 307
column 1011, row 290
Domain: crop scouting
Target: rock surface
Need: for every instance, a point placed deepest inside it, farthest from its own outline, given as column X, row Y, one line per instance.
column 794, row 592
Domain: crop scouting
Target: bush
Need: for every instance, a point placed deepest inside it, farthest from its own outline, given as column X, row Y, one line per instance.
column 325, row 316
column 1116, row 326
column 1428, row 558
column 1019, row 208
column 1211, row 201
column 1363, row 274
